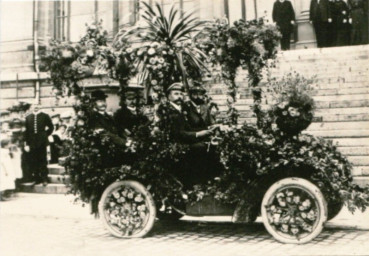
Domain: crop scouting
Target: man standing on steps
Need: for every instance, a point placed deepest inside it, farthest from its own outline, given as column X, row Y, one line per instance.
column 38, row 128
column 320, row 17
column 284, row 17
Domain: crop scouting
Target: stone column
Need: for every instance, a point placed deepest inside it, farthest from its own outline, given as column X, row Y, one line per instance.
column 305, row 32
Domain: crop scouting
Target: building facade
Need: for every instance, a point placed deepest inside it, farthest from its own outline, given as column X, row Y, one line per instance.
column 27, row 25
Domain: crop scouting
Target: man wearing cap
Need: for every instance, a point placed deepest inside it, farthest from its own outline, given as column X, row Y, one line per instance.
column 179, row 125
column 38, row 127
column 198, row 113
column 128, row 117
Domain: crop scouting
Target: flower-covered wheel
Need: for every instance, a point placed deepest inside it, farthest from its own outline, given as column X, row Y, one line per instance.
column 294, row 210
column 127, row 209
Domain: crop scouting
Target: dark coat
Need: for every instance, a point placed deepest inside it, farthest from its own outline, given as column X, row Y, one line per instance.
column 283, row 14
column 37, row 136
column 126, row 120
column 177, row 125
column 320, row 12
column 106, row 122
column 198, row 121
column 103, row 121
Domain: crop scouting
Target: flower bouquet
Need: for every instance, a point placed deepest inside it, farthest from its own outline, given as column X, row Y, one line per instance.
column 294, row 108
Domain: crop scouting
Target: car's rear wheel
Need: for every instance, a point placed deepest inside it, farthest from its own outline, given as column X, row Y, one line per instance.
column 127, row 209
column 294, row 210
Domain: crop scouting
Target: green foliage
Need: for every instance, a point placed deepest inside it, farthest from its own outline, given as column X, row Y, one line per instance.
column 246, row 44
column 164, row 52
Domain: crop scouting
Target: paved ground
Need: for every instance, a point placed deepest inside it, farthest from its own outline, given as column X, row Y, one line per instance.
column 33, row 224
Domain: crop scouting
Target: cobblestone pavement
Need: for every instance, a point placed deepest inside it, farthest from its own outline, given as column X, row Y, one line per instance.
column 50, row 225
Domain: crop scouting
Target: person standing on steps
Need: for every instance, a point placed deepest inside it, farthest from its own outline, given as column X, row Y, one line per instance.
column 342, row 23
column 359, row 18
column 38, row 127
column 284, row 17
column 320, row 17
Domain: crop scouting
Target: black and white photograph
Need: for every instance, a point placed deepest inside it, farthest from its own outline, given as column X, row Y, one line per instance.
column 184, row 127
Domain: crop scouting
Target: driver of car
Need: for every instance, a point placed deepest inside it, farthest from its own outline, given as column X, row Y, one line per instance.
column 179, row 126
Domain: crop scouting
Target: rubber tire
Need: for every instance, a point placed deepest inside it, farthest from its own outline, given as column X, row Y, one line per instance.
column 334, row 209
column 150, row 201
column 306, row 186
column 174, row 216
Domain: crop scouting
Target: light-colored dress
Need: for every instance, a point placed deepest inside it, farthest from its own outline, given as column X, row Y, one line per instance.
column 10, row 168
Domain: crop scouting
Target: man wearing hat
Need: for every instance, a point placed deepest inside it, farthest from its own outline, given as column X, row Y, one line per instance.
column 38, row 127
column 180, row 127
column 128, row 116
column 198, row 113
column 181, row 131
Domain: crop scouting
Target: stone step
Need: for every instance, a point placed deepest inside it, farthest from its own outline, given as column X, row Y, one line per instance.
column 341, row 118
column 59, row 179
column 360, row 171
column 339, row 133
column 362, row 181
column 321, row 117
column 351, row 142
column 359, row 160
column 354, row 151
column 327, row 103
column 247, row 92
column 49, row 189
column 319, row 126
column 56, row 169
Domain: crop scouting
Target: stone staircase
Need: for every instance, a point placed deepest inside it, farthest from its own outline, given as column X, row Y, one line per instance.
column 341, row 97
column 57, row 182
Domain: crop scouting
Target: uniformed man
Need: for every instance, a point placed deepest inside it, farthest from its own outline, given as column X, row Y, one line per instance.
column 38, row 127
column 343, row 23
column 128, row 117
column 197, row 111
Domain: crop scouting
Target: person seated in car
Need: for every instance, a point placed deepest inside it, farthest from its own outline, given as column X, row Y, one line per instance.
column 176, row 118
column 177, row 124
column 198, row 112
column 129, row 117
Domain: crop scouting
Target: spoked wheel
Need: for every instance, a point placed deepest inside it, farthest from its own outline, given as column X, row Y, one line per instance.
column 294, row 210
column 127, row 209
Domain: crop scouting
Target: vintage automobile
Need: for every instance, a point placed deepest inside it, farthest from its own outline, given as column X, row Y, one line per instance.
column 292, row 207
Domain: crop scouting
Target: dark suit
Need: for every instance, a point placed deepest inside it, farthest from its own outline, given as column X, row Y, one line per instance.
column 107, row 123
column 177, row 125
column 38, row 128
column 283, row 14
column 341, row 24
column 125, row 119
column 319, row 15
column 201, row 164
column 359, row 15
column 198, row 120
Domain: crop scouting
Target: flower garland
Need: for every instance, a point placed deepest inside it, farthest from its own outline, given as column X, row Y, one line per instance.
column 246, row 44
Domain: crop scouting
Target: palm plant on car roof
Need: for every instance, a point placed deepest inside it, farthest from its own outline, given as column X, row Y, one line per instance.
column 166, row 52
